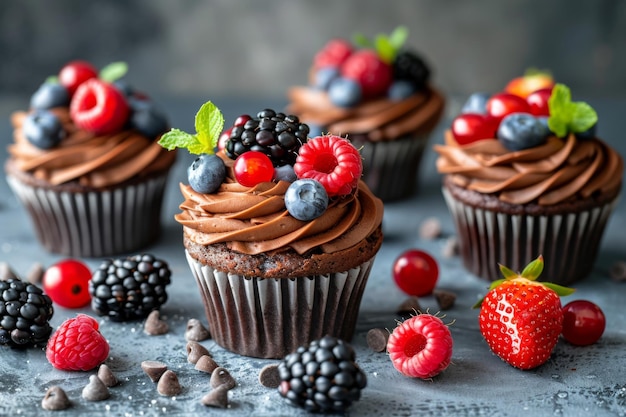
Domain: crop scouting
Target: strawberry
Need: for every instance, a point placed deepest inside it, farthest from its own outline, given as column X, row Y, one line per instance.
column 367, row 68
column 334, row 53
column 521, row 319
column 529, row 83
column 99, row 107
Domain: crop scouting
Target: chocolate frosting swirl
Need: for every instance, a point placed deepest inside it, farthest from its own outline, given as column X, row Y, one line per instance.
column 91, row 160
column 254, row 220
column 555, row 172
column 379, row 119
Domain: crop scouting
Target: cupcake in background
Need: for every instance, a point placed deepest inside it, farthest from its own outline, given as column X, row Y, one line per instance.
column 524, row 175
column 279, row 231
column 377, row 94
column 86, row 165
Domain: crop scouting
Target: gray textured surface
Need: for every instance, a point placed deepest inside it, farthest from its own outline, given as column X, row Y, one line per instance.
column 575, row 382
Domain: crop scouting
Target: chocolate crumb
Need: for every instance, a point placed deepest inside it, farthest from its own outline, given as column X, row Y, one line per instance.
column 196, row 331
column 206, row 364
column 106, row 376
column 377, row 339
column 35, row 274
column 618, row 271
column 221, row 377
column 55, row 399
column 217, row 397
column 154, row 326
column 6, row 273
column 168, row 384
column 451, row 247
column 95, row 390
column 194, row 351
column 445, row 299
column 410, row 306
column 269, row 376
column 430, row 228
column 154, row 369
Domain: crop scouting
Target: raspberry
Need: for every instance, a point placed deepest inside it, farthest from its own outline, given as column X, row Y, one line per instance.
column 99, row 107
column 366, row 67
column 77, row 345
column 331, row 160
column 420, row 347
column 334, row 53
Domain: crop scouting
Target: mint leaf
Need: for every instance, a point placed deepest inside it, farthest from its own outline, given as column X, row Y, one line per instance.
column 583, row 117
column 385, row 49
column 209, row 125
column 114, row 71
column 567, row 116
column 176, row 138
column 361, row 40
column 398, row 37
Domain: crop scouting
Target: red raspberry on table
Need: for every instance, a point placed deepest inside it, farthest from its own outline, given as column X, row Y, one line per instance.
column 420, row 347
column 373, row 75
column 77, row 345
column 334, row 53
column 331, row 160
column 99, row 107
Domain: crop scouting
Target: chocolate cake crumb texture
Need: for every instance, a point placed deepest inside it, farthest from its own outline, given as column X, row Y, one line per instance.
column 269, row 377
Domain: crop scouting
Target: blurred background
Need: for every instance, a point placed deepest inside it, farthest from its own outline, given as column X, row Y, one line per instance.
column 257, row 48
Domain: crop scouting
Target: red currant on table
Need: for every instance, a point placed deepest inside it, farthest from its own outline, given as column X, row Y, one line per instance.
column 252, row 168
column 503, row 104
column 416, row 272
column 67, row 283
column 538, row 102
column 470, row 127
column 75, row 73
column 583, row 322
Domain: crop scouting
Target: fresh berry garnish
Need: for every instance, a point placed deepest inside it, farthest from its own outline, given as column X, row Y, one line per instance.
column 43, row 129
column 98, row 107
column 252, row 168
column 324, row 76
column 401, row 90
column 321, row 377
column 502, row 104
column 306, row 199
column 529, row 83
column 75, row 73
column 421, row 346
column 285, row 173
column 331, row 160
column 129, row 288
column 77, row 345
column 567, row 116
column 241, row 120
column 519, row 131
column 344, row 92
column 223, row 139
column 521, row 319
column 583, row 322
column 25, row 312
column 476, row 103
column 49, row 95
column 206, row 174
column 470, row 127
column 147, row 117
column 67, row 283
column 416, row 272
column 334, row 53
column 408, row 66
column 538, row 102
column 367, row 68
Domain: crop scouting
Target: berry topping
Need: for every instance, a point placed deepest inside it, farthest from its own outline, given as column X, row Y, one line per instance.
column 252, row 168
column 532, row 81
column 285, row 173
column 206, row 173
column 331, row 160
column 324, row 76
column 470, row 127
column 476, row 103
column 43, row 129
column 129, row 288
column 519, row 131
column 344, row 92
column 502, row 104
column 322, row 377
column 49, row 95
column 421, row 346
column 583, row 322
column 99, row 107
column 67, row 283
column 147, row 117
column 367, row 68
column 306, row 199
column 538, row 102
column 75, row 73
column 401, row 90
column 334, row 53
column 416, row 272
column 408, row 66
column 25, row 312
column 77, row 345
column 567, row 116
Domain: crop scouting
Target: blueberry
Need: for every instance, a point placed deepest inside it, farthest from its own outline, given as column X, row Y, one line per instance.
column 285, row 173
column 50, row 95
column 43, row 129
column 306, row 199
column 206, row 173
column 519, row 131
column 124, row 87
column 476, row 103
column 324, row 76
column 147, row 118
column 587, row 134
column 344, row 92
column 401, row 89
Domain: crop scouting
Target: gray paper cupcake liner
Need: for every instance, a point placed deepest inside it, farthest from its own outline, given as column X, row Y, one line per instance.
column 94, row 223
column 269, row 318
column 568, row 242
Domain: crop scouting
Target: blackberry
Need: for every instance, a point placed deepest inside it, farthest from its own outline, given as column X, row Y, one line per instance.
column 129, row 288
column 25, row 312
column 411, row 67
column 321, row 377
column 277, row 135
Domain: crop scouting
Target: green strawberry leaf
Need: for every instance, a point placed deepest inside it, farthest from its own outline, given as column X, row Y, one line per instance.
column 559, row 289
column 533, row 269
column 114, row 71
column 567, row 116
column 507, row 273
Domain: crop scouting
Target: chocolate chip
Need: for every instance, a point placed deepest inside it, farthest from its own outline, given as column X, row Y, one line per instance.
column 221, row 377
column 410, row 306
column 269, row 376
column 206, row 364
column 154, row 326
column 196, row 331
column 430, row 228
column 217, row 397
column 618, row 271
column 6, row 273
column 168, row 384
column 195, row 350
column 377, row 339
column 444, row 298
column 106, row 376
column 451, row 247
column 154, row 369
column 95, row 390
column 55, row 399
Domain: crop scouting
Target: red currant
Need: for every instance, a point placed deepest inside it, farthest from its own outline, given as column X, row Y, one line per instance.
column 470, row 127
column 503, row 104
column 67, row 283
column 538, row 102
column 241, row 120
column 75, row 73
column 252, row 168
column 221, row 142
column 583, row 322
column 415, row 272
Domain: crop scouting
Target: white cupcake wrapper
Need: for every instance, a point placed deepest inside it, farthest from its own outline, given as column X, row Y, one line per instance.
column 269, row 318
column 95, row 223
column 568, row 242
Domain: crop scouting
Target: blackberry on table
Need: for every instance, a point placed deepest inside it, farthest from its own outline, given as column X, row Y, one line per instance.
column 129, row 288
column 411, row 67
column 277, row 135
column 25, row 312
column 321, row 377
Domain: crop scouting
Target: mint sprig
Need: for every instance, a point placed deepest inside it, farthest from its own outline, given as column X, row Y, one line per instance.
column 567, row 116
column 386, row 46
column 209, row 123
column 113, row 71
